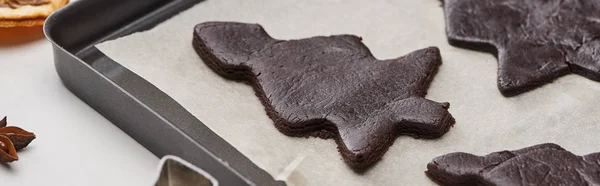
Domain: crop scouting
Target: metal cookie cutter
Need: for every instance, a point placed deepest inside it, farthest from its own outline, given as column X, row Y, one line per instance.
column 174, row 171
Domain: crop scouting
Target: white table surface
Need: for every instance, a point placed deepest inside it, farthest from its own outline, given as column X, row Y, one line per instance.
column 75, row 145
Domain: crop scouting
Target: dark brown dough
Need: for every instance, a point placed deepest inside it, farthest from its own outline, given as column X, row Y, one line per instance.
column 536, row 41
column 330, row 87
column 545, row 164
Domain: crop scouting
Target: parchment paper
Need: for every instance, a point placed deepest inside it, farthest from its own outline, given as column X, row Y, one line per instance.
column 564, row 112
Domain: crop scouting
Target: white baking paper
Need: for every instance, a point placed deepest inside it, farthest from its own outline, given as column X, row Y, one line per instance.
column 565, row 112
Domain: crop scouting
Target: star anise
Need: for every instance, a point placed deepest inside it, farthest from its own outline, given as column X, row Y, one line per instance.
column 12, row 139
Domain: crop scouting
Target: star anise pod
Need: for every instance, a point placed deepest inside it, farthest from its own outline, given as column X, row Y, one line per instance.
column 12, row 139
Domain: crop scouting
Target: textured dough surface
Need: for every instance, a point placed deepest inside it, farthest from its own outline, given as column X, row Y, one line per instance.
column 330, row 87
column 536, row 41
column 544, row 164
column 563, row 112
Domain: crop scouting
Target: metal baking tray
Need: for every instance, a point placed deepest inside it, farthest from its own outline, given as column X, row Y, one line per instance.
column 137, row 107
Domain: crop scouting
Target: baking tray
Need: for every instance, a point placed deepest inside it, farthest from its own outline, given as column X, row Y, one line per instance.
column 137, row 107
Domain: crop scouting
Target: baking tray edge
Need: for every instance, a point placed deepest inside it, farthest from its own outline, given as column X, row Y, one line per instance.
column 138, row 108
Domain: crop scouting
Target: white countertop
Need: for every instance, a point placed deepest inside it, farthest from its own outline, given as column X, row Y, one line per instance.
column 75, row 145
